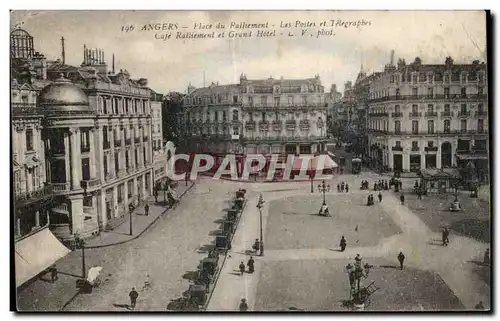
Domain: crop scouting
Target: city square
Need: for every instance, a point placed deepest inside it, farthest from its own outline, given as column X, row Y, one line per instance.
column 245, row 179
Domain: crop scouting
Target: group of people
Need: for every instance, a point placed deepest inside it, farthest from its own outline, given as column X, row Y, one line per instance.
column 343, row 187
column 371, row 200
column 250, row 265
column 381, row 185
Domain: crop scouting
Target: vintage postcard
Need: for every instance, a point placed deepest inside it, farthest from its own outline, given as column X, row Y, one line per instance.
column 250, row 161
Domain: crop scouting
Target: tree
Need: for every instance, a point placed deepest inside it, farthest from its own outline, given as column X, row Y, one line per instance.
column 172, row 109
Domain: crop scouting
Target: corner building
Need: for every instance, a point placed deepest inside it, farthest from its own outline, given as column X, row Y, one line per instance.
column 429, row 116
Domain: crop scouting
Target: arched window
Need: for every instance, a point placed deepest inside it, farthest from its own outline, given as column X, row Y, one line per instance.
column 235, row 115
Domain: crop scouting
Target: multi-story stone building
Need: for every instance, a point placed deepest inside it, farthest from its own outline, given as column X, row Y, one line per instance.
column 429, row 116
column 86, row 135
column 278, row 116
column 159, row 156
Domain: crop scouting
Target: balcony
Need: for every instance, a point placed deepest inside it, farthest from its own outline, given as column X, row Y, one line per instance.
column 137, row 140
column 60, row 187
column 282, row 139
column 33, row 196
column 482, row 113
column 431, row 114
column 463, row 113
column 397, row 148
column 425, row 97
column 57, row 151
column 250, row 125
column 128, row 141
column 463, row 151
column 304, row 124
column 88, row 184
column 118, row 143
column 106, row 145
column 85, row 148
column 431, row 149
column 415, row 114
column 25, row 109
column 415, row 149
column 446, row 114
column 398, row 114
column 277, row 125
column 264, row 125
column 481, row 151
column 378, row 114
column 291, row 124
column 145, row 139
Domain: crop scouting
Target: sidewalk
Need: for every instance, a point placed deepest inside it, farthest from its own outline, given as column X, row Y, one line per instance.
column 43, row 295
column 140, row 222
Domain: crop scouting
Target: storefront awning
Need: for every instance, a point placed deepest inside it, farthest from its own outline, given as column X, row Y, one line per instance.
column 36, row 253
column 472, row 157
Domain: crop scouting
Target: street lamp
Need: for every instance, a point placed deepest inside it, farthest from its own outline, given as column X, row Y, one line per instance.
column 355, row 273
column 130, row 211
column 260, row 205
column 80, row 243
column 323, row 188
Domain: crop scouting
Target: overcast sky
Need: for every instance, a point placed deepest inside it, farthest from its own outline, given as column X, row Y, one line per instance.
column 171, row 65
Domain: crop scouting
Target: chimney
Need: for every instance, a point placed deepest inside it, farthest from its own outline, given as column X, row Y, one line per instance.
column 84, row 55
column 392, row 57
column 63, row 54
column 113, row 66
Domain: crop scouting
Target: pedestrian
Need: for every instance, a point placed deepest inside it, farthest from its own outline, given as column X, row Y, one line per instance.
column 250, row 265
column 133, row 297
column 256, row 245
column 53, row 273
column 347, row 188
column 402, row 199
column 486, row 259
column 243, row 305
column 343, row 244
column 342, row 187
column 338, row 188
column 479, row 306
column 155, row 194
column 380, row 197
column 386, row 186
column 419, row 193
column 446, row 233
column 401, row 259
column 147, row 283
column 242, row 268
column 146, row 209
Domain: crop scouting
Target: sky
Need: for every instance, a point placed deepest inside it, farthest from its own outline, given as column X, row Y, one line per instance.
column 172, row 64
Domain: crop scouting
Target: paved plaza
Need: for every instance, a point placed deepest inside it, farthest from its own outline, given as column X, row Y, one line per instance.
column 303, row 268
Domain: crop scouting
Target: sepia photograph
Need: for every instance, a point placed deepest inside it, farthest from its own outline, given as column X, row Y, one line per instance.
column 250, row 161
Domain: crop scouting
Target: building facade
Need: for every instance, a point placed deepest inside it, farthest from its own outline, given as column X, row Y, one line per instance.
column 84, row 140
column 429, row 116
column 159, row 156
column 266, row 116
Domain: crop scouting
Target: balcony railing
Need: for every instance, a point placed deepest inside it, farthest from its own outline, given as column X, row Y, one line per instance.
column 397, row 148
column 425, row 97
column 60, row 187
column 481, row 113
column 397, row 114
column 415, row 114
column 33, row 196
column 464, row 113
column 296, row 139
column 431, row 149
column 277, row 125
column 431, row 114
column 444, row 132
column 118, row 142
column 145, row 139
column 446, row 114
column 137, row 140
column 128, row 141
column 463, row 151
column 264, row 125
column 25, row 109
column 54, row 151
column 415, row 149
column 282, row 106
column 85, row 148
column 87, row 184
column 250, row 124
column 378, row 114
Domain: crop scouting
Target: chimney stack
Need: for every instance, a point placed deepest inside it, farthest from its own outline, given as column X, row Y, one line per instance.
column 62, row 51
column 392, row 57
column 113, row 66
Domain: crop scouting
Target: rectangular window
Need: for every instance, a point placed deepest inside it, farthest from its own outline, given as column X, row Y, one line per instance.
column 430, row 127
column 463, row 125
column 276, row 101
column 430, row 143
column 105, row 164
column 290, row 100
column 117, row 164
column 480, row 91
column 414, row 127
column 480, row 108
column 397, row 127
column 447, row 92
column 447, row 126
column 224, row 116
column 414, row 109
column 430, row 92
column 414, row 92
column 236, row 130
column 398, row 143
column 447, row 108
column 397, row 109
column 463, row 108
column 414, row 145
column 130, row 188
column 304, row 100
column 120, row 193
column 263, row 116
column 29, row 139
column 480, row 125
column 85, row 169
column 463, row 92
column 127, row 158
column 430, row 108
column 235, row 99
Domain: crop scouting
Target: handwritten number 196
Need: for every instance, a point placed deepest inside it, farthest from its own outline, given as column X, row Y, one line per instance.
column 127, row 28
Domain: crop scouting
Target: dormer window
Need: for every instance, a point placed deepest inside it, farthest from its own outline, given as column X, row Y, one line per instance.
column 446, row 78
column 463, row 78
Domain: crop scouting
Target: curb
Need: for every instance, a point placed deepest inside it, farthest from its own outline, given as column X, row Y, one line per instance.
column 147, row 227
column 205, row 306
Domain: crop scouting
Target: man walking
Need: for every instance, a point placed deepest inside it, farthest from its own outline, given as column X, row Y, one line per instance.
column 347, row 188
column 446, row 233
column 250, row 265
column 243, row 305
column 343, row 244
column 402, row 199
column 380, row 197
column 146, row 209
column 133, row 297
column 401, row 259
column 242, row 267
column 53, row 273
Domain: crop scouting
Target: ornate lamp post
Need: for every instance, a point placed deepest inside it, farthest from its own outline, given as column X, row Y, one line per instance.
column 355, row 273
column 323, row 188
column 80, row 243
column 260, row 205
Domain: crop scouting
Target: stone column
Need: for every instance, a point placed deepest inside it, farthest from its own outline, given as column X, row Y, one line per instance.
column 111, row 137
column 104, row 218
column 76, row 166
column 134, row 191
column 92, row 155
column 115, row 201
column 125, row 194
column 18, row 226
column 37, row 219
column 390, row 159
column 438, row 156
column 406, row 162
column 99, row 148
column 422, row 160
column 144, row 191
column 297, row 149
column 122, row 150
column 76, row 209
column 67, row 153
